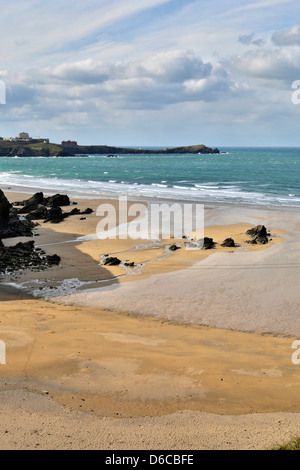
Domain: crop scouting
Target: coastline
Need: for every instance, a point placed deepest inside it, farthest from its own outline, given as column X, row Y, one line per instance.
column 142, row 369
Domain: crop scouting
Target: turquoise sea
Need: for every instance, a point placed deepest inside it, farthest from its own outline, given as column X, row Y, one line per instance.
column 260, row 176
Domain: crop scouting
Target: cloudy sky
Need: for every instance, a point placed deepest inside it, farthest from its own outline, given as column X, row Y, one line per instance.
column 152, row 72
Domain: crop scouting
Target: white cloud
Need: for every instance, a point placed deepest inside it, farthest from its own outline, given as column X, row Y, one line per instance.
column 268, row 64
column 151, row 83
column 249, row 39
column 44, row 29
column 290, row 37
column 260, row 5
column 138, row 64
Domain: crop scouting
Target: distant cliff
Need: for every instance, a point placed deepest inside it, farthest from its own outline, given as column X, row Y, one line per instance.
column 32, row 149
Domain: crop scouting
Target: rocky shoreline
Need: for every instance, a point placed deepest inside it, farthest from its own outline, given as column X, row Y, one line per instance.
column 21, row 218
column 24, row 256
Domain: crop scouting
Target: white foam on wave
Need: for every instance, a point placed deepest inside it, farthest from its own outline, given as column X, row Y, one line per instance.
column 40, row 289
column 209, row 191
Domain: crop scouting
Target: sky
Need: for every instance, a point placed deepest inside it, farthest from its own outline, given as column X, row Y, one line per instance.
column 151, row 72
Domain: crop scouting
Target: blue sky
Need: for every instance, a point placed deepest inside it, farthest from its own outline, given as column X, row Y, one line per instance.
column 152, row 72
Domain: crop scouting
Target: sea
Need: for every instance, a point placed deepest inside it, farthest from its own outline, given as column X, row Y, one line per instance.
column 254, row 176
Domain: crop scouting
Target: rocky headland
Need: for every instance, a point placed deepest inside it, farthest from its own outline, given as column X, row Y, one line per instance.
column 30, row 149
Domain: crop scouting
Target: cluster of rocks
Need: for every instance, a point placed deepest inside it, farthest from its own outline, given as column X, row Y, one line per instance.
column 48, row 209
column 259, row 236
column 31, row 204
column 112, row 261
column 23, row 256
column 10, row 223
column 205, row 243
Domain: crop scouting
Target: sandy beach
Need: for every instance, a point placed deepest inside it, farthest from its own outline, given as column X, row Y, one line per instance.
column 187, row 350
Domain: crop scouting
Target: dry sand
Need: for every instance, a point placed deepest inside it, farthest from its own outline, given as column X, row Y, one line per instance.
column 33, row 422
column 170, row 386
column 91, row 377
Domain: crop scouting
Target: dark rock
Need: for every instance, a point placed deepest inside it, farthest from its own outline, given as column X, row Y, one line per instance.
column 5, row 207
column 39, row 214
column 24, row 256
column 259, row 230
column 251, row 242
column 10, row 224
column 207, row 243
column 53, row 260
column 58, row 200
column 228, row 243
column 258, row 234
column 74, row 212
column 24, row 247
column 174, row 248
column 17, row 228
column 131, row 265
column 110, row 261
column 87, row 211
column 55, row 215
column 262, row 240
column 31, row 204
column 36, row 208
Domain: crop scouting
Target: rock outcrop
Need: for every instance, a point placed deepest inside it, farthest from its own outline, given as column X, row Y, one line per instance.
column 228, row 243
column 207, row 243
column 31, row 204
column 48, row 209
column 23, row 256
column 259, row 235
column 11, row 225
column 174, row 247
column 111, row 261
column 4, row 207
column 38, row 199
